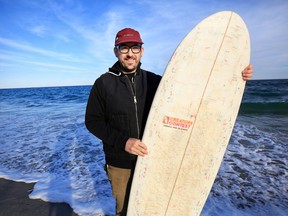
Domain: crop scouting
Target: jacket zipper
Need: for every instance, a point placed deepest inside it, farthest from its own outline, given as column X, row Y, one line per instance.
column 133, row 90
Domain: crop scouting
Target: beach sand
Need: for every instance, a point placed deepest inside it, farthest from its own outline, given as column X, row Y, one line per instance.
column 14, row 201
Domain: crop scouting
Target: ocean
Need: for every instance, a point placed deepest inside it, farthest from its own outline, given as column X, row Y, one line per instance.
column 43, row 139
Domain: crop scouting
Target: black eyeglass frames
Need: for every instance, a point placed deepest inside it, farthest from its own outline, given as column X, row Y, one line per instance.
column 125, row 49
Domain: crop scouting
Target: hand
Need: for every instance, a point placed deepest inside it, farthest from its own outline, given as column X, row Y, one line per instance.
column 136, row 147
column 247, row 72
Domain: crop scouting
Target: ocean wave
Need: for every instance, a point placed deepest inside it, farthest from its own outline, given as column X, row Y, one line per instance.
column 277, row 108
column 253, row 174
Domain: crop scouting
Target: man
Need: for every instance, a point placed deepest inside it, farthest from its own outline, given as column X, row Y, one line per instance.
column 117, row 110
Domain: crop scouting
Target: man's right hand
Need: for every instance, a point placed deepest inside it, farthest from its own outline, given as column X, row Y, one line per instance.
column 136, row 147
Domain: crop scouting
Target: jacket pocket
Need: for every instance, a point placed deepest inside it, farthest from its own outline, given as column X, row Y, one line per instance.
column 120, row 123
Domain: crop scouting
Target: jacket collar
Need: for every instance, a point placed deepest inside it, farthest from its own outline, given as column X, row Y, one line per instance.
column 116, row 69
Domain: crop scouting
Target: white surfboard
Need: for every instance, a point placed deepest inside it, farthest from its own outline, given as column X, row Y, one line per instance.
column 191, row 119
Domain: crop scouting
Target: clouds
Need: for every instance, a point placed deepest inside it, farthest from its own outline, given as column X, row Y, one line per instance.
column 42, row 49
column 57, row 36
column 28, row 48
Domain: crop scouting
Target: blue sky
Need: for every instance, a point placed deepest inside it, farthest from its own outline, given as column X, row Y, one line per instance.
column 69, row 42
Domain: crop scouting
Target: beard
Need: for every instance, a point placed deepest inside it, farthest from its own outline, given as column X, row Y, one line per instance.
column 129, row 66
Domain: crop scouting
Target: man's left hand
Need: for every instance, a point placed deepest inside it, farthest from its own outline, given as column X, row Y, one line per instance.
column 247, row 72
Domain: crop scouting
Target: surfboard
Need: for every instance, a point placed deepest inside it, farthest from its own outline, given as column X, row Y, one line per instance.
column 191, row 119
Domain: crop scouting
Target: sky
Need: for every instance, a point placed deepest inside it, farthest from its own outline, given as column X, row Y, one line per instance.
column 70, row 42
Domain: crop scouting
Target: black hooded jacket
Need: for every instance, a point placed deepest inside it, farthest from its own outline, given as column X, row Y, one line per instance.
column 117, row 109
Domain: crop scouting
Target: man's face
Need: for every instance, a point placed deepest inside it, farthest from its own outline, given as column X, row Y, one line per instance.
column 129, row 55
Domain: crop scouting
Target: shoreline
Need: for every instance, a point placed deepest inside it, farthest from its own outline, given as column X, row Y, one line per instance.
column 14, row 201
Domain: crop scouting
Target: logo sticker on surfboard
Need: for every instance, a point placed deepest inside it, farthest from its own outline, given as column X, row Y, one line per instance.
column 176, row 123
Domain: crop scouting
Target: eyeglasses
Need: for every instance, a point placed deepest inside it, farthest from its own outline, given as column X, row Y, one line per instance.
column 125, row 49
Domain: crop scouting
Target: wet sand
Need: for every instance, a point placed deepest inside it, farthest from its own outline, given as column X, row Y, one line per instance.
column 14, row 201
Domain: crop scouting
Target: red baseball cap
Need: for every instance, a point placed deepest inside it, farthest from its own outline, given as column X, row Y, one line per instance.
column 128, row 35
